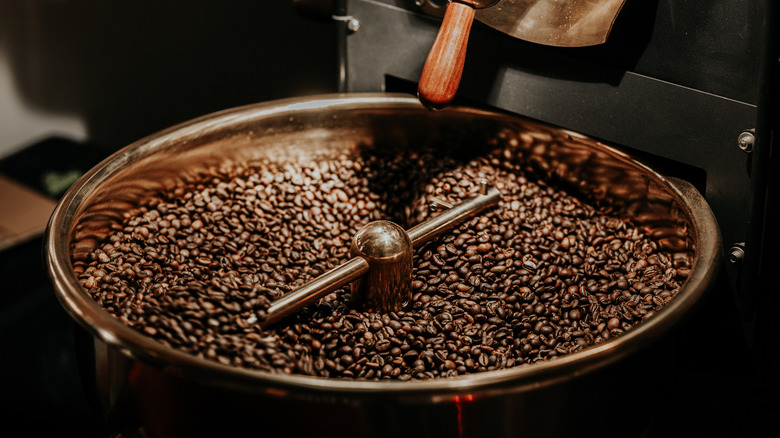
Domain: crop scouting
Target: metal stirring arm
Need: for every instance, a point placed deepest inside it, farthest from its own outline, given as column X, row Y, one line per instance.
column 383, row 250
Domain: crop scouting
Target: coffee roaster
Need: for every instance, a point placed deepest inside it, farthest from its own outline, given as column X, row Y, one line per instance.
column 690, row 87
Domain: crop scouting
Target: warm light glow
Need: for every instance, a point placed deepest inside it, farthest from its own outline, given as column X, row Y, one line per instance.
column 458, row 405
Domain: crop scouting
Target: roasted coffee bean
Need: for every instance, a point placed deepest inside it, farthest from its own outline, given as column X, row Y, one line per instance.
column 543, row 275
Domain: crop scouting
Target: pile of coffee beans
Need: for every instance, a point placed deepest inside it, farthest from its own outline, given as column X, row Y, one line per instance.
column 543, row 274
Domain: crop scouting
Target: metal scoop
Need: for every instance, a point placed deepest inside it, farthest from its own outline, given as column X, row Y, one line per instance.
column 549, row 22
column 381, row 266
column 553, row 22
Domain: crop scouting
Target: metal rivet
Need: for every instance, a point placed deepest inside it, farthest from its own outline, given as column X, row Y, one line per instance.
column 353, row 24
column 746, row 140
column 737, row 254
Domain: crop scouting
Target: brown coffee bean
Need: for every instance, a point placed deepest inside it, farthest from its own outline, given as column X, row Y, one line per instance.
column 543, row 275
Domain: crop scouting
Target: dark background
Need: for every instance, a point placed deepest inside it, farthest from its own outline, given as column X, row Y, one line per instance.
column 123, row 69
column 131, row 68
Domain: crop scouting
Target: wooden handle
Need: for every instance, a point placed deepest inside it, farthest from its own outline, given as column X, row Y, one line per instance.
column 444, row 66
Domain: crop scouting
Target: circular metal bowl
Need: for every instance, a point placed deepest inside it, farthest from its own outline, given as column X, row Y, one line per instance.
column 139, row 383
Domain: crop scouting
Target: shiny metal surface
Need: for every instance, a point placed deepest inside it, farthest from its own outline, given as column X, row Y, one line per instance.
column 548, row 22
column 387, row 287
column 315, row 289
column 382, row 253
column 425, row 231
column 168, row 390
column 553, row 22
